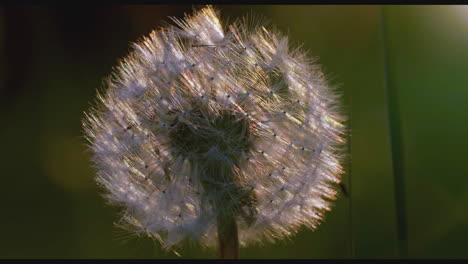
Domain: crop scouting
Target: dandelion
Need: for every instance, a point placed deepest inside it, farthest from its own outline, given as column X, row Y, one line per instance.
column 221, row 135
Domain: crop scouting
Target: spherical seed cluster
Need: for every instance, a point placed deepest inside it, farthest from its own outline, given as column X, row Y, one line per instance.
column 201, row 120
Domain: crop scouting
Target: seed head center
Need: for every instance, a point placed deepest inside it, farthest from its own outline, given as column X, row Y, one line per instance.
column 225, row 136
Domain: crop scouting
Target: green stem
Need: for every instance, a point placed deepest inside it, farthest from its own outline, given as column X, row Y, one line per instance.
column 228, row 237
column 396, row 147
column 220, row 183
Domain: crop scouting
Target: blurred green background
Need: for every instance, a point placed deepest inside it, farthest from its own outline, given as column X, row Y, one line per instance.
column 53, row 58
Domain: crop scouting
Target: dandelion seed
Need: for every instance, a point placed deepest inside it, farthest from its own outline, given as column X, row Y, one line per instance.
column 206, row 131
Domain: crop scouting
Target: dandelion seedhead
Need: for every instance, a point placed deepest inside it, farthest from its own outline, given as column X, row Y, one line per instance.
column 203, row 124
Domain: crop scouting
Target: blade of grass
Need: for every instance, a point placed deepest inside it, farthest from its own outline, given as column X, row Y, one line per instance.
column 350, row 202
column 396, row 144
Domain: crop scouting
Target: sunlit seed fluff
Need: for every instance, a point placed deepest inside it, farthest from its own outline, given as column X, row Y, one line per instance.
column 201, row 120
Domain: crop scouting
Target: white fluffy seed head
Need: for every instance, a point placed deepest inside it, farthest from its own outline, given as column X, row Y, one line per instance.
column 201, row 120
